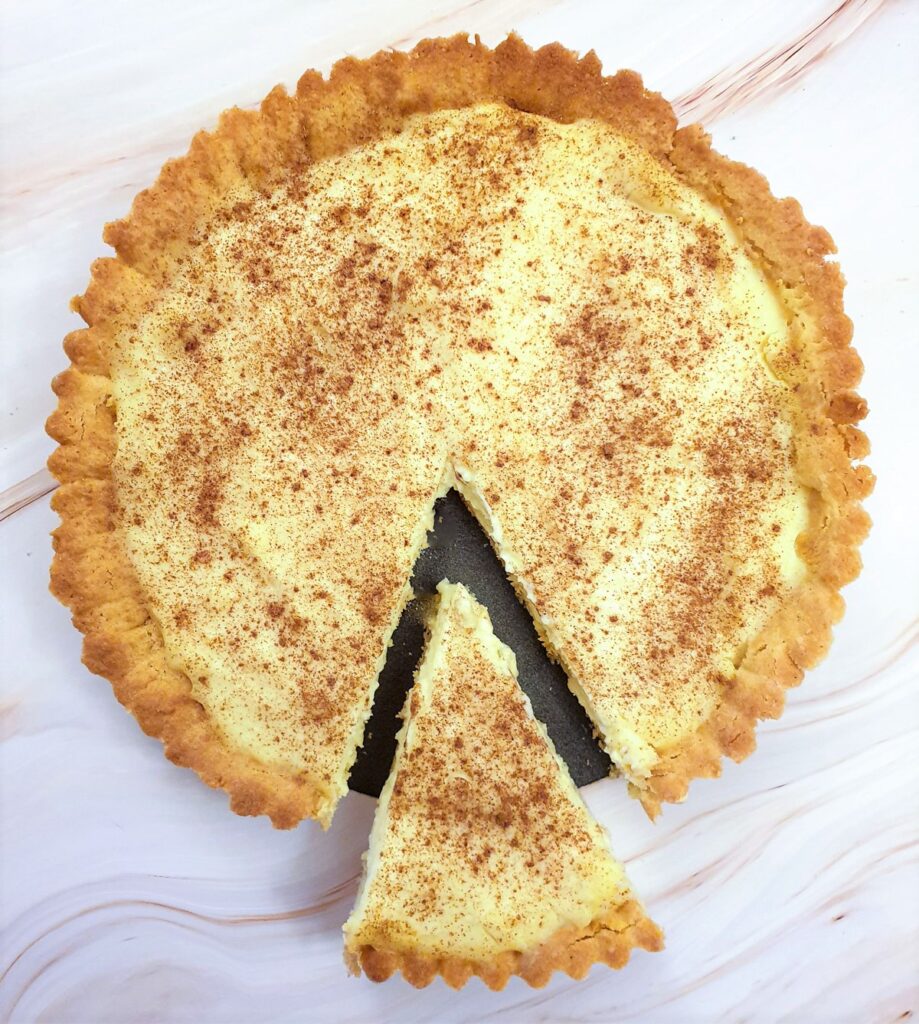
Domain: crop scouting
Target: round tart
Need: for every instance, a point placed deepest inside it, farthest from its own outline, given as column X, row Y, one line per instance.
column 491, row 270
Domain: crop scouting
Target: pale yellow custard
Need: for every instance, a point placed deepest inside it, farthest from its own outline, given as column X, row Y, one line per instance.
column 538, row 313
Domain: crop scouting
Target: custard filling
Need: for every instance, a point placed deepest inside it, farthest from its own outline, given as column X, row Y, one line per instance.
column 542, row 311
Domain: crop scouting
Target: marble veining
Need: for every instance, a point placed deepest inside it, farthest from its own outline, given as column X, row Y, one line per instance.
column 788, row 889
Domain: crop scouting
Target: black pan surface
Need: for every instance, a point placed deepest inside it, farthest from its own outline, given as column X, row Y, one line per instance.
column 459, row 551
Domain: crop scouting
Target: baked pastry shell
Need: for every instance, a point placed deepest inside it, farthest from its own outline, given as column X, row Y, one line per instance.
column 362, row 100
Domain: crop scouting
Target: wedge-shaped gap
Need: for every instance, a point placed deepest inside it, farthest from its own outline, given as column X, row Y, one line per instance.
column 458, row 550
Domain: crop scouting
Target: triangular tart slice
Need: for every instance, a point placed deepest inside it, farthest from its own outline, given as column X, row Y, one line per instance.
column 483, row 858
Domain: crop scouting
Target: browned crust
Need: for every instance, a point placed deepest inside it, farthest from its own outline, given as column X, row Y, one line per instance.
column 359, row 101
column 823, row 371
column 92, row 575
column 608, row 940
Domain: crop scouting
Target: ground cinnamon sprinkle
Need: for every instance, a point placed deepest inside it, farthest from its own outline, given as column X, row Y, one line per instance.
column 498, row 820
column 493, row 291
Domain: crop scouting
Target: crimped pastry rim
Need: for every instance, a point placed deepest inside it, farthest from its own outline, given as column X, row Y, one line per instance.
column 608, row 940
column 359, row 101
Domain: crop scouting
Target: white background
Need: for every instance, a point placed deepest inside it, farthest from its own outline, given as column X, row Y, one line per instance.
column 788, row 888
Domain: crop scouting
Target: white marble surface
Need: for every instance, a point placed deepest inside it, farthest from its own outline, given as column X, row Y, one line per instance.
column 788, row 888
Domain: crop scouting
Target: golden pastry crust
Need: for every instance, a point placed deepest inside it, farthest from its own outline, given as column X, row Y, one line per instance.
column 793, row 254
column 362, row 101
column 93, row 577
column 609, row 940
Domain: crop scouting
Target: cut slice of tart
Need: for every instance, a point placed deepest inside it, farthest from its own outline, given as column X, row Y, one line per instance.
column 483, row 858
column 491, row 269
